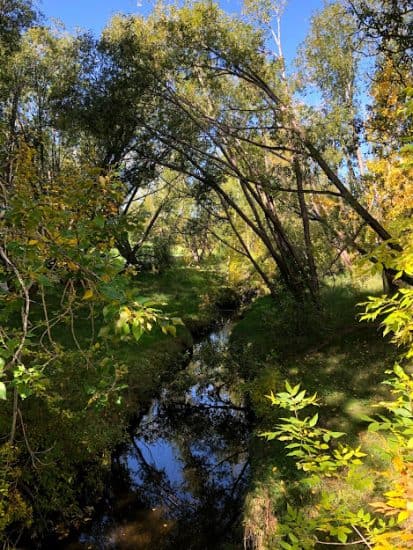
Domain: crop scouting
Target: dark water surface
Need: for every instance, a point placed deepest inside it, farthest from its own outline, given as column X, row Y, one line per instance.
column 180, row 481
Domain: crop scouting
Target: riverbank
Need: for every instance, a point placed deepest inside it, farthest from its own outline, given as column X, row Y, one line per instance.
column 271, row 342
column 200, row 299
column 337, row 357
column 70, row 476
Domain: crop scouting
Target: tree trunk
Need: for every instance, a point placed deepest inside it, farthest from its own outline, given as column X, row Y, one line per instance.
column 314, row 284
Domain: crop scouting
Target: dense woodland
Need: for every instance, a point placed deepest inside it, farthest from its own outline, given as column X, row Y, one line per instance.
column 175, row 167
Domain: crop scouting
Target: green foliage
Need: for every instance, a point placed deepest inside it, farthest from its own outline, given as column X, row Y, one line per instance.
column 14, row 509
column 162, row 252
column 311, row 446
column 308, row 443
column 184, row 120
column 395, row 312
column 315, row 453
column 66, row 310
column 133, row 320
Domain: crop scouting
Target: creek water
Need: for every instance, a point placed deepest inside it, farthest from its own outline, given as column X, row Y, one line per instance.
column 179, row 483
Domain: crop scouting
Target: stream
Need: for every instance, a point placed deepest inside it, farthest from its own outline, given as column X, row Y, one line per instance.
column 179, row 483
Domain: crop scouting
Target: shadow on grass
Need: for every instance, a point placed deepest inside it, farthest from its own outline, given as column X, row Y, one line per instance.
column 333, row 354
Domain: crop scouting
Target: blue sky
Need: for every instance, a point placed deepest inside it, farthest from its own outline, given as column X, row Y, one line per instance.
column 94, row 14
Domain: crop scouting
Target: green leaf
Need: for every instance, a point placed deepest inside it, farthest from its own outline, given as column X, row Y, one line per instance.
column 336, row 435
column 401, row 411
column 398, row 371
column 110, row 291
column 292, row 537
column 3, row 391
column 313, row 421
column 342, row 534
column 137, row 331
column 177, row 321
column 268, row 435
column 43, row 280
column 300, row 396
column 99, row 222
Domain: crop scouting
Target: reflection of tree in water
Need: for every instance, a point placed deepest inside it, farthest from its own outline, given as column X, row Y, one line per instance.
column 207, row 434
column 210, row 445
column 179, row 484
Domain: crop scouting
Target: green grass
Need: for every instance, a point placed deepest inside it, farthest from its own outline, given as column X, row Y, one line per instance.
column 189, row 294
column 278, row 326
column 333, row 354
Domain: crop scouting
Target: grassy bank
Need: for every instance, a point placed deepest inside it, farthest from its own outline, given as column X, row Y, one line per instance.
column 196, row 296
column 332, row 354
column 69, row 442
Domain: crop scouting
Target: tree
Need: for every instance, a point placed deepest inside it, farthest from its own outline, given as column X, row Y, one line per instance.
column 58, row 277
column 238, row 123
column 386, row 25
column 263, row 220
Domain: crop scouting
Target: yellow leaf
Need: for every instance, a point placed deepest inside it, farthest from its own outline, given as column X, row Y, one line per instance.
column 88, row 294
column 32, row 242
column 397, row 502
column 393, row 494
column 398, row 463
column 403, row 515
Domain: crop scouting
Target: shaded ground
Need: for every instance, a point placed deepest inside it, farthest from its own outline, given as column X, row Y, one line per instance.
column 341, row 359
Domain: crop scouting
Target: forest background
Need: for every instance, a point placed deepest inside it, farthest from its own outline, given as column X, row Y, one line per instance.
column 176, row 155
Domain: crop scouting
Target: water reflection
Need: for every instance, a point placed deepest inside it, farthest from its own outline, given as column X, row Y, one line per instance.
column 180, row 481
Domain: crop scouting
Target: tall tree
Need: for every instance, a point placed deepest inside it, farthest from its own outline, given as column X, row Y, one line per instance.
column 243, row 123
